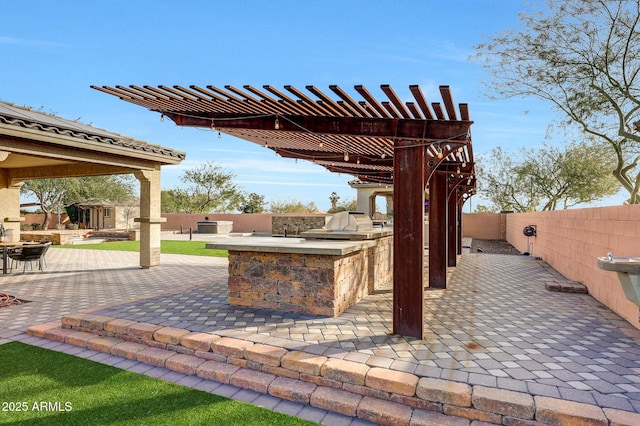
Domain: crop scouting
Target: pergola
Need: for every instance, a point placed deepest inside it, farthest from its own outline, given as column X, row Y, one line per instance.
column 411, row 145
column 35, row 145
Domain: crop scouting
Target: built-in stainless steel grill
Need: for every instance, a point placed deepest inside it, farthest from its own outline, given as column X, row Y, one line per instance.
column 350, row 221
column 348, row 226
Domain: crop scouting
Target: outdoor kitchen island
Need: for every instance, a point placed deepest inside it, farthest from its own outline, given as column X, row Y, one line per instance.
column 323, row 273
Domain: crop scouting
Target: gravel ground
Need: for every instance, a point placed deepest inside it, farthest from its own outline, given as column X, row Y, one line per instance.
column 492, row 247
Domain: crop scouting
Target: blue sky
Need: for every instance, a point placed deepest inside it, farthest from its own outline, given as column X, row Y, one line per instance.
column 53, row 51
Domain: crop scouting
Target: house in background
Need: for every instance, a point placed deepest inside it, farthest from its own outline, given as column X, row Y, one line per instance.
column 107, row 215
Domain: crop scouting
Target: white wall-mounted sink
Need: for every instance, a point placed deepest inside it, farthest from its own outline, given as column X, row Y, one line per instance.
column 628, row 270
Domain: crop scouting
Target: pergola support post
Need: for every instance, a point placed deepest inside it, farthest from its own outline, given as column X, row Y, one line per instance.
column 408, row 240
column 452, row 228
column 150, row 218
column 438, row 230
column 460, row 203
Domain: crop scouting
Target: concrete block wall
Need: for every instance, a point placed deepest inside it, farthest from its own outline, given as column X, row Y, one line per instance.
column 571, row 240
column 246, row 222
column 484, row 226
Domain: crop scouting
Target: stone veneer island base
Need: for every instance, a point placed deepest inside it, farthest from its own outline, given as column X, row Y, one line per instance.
column 316, row 277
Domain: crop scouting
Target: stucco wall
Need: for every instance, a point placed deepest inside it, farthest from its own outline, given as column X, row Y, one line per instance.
column 39, row 218
column 484, row 226
column 571, row 240
column 241, row 222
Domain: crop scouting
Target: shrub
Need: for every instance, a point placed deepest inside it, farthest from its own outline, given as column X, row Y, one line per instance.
column 36, row 226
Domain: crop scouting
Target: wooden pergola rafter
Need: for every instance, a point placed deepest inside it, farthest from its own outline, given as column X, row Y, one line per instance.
column 410, row 144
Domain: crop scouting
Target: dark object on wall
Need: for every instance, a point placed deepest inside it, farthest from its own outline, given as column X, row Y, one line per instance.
column 530, row 231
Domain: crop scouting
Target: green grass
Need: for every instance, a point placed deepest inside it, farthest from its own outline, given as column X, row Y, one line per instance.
column 89, row 393
column 194, row 248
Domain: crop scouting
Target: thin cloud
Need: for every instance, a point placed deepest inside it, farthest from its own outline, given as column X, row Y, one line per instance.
column 13, row 41
column 262, row 182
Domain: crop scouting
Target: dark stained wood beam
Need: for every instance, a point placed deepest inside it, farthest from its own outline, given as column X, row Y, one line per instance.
column 337, row 157
column 408, row 239
column 452, row 228
column 459, row 230
column 438, row 230
column 445, row 92
column 354, row 126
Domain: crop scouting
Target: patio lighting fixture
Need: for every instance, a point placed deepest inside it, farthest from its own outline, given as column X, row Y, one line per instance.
column 162, row 117
column 213, row 126
column 439, row 151
column 276, row 124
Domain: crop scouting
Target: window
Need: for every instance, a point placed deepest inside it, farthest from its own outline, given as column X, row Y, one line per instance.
column 107, row 212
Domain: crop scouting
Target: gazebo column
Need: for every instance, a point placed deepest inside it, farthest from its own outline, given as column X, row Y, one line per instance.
column 452, row 228
column 438, row 230
column 150, row 218
column 408, row 242
column 10, row 205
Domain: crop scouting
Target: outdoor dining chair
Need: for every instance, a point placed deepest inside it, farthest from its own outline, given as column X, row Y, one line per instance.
column 28, row 254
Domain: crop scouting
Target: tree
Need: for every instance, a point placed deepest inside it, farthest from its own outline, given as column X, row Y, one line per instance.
column 167, row 203
column 480, row 208
column 349, row 205
column 291, row 206
column 548, row 178
column 129, row 209
column 334, row 197
column 177, row 200
column 252, row 203
column 113, row 188
column 50, row 194
column 499, row 183
column 583, row 57
column 60, row 193
column 209, row 189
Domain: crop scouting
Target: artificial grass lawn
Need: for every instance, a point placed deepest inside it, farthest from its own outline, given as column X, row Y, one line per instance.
column 195, row 248
column 62, row 389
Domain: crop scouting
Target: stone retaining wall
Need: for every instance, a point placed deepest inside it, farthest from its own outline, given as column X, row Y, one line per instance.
column 371, row 393
column 308, row 283
column 56, row 237
column 297, row 224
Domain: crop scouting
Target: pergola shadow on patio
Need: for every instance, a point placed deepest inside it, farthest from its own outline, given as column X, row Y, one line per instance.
column 495, row 333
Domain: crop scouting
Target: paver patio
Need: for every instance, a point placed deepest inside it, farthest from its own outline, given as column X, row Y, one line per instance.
column 495, row 327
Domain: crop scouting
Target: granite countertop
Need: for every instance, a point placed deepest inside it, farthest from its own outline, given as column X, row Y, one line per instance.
column 289, row 245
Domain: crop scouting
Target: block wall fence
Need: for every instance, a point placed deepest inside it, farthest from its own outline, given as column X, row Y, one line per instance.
column 242, row 222
column 570, row 241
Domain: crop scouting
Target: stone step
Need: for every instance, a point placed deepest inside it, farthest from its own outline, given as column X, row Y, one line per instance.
column 374, row 394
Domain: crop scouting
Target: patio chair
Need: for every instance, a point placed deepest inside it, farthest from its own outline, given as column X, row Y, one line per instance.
column 28, row 254
column 47, row 244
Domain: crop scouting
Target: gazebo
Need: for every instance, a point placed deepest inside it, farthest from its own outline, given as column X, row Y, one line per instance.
column 409, row 145
column 35, row 145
